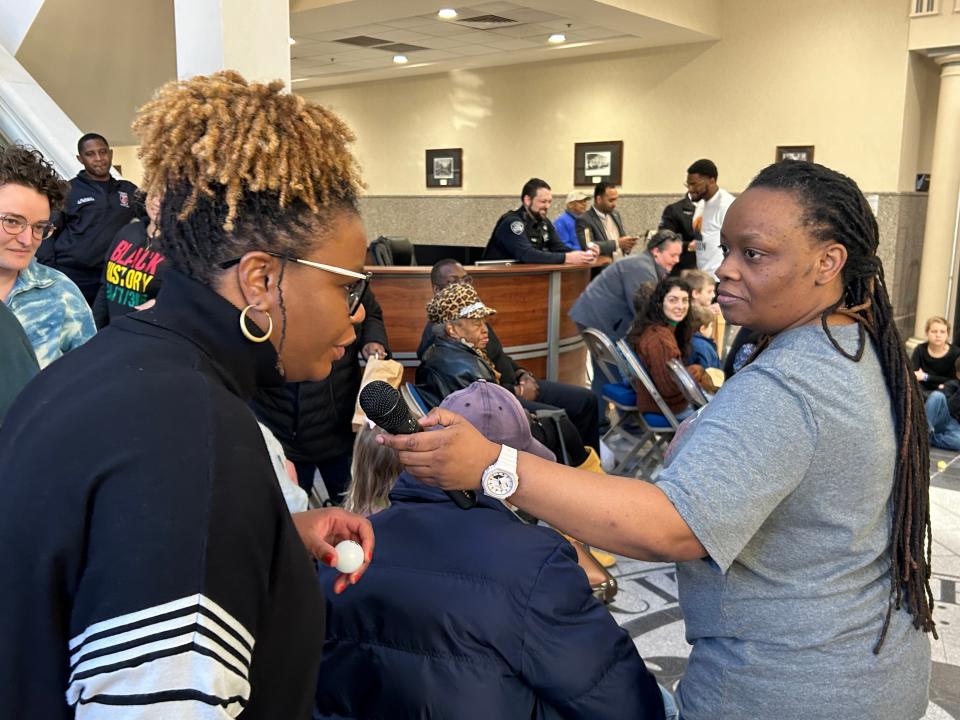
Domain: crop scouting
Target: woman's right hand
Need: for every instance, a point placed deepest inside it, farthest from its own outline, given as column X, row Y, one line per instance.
column 452, row 456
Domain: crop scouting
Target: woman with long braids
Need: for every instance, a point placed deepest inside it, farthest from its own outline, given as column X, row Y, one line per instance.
column 152, row 568
column 796, row 502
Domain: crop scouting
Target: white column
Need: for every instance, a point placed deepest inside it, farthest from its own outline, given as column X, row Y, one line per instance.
column 936, row 295
column 249, row 36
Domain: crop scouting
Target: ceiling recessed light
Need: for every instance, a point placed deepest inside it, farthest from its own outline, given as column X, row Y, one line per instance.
column 400, row 59
column 447, row 14
column 299, row 79
column 291, row 41
column 557, row 38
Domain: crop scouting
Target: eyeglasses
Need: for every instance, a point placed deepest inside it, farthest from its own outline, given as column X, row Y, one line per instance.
column 355, row 291
column 14, row 225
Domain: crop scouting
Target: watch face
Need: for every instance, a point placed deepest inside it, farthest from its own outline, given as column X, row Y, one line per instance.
column 499, row 483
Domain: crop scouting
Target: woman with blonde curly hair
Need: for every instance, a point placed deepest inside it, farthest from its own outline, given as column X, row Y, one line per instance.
column 157, row 571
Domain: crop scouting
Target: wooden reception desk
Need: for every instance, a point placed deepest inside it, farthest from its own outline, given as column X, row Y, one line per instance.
column 532, row 302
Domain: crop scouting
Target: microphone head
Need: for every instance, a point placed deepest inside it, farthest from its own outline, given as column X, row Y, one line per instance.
column 384, row 406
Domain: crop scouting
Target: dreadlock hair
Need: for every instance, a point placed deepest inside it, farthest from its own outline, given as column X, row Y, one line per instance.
column 242, row 166
column 648, row 304
column 834, row 210
column 22, row 165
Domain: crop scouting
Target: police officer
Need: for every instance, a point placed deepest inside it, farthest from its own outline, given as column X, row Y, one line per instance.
column 527, row 236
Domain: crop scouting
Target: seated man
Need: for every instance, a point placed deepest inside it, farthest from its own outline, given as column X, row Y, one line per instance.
column 535, row 394
column 566, row 223
column 601, row 224
column 527, row 236
column 475, row 614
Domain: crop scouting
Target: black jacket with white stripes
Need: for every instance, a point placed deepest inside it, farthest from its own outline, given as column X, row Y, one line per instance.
column 151, row 568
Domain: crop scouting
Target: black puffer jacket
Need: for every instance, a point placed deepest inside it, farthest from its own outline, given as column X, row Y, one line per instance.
column 312, row 419
column 448, row 366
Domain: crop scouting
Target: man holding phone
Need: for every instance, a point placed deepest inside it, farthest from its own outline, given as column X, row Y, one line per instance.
column 601, row 224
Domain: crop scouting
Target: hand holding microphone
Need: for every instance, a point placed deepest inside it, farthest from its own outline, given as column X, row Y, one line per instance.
column 385, row 408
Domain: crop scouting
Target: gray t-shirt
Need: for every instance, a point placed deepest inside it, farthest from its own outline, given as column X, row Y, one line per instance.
column 785, row 478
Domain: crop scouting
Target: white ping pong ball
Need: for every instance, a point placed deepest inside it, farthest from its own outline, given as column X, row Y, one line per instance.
column 349, row 556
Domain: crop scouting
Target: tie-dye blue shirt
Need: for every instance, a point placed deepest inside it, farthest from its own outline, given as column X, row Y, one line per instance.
column 52, row 311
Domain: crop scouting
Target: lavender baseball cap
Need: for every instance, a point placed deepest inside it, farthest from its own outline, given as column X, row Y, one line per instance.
column 498, row 415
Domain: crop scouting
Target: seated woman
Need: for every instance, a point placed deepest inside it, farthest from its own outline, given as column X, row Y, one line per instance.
column 473, row 614
column 458, row 358
column 933, row 360
column 48, row 305
column 662, row 332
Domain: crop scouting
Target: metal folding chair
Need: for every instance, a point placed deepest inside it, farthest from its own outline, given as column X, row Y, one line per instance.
column 660, row 425
column 418, row 408
column 689, row 388
column 626, row 437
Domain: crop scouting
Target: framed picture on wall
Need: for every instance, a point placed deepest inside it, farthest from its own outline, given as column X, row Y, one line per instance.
column 596, row 161
column 794, row 152
column 445, row 168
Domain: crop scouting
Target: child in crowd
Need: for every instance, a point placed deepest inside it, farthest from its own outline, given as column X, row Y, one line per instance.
column 703, row 348
column 702, row 289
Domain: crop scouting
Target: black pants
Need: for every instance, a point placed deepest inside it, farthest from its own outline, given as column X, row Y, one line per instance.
column 579, row 402
column 335, row 472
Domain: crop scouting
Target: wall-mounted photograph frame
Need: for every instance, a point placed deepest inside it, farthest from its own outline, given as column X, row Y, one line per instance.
column 596, row 161
column 794, row 152
column 444, row 167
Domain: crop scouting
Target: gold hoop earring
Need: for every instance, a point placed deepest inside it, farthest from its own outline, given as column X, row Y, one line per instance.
column 246, row 331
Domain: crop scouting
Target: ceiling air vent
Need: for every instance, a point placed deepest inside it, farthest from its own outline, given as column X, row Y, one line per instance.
column 362, row 41
column 400, row 47
column 484, row 22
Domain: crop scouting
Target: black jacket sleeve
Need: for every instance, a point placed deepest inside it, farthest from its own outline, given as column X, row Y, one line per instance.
column 584, row 222
column 373, row 328
column 516, row 245
column 915, row 358
column 505, row 365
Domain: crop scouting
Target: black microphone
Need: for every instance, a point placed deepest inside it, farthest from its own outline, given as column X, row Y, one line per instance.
column 384, row 407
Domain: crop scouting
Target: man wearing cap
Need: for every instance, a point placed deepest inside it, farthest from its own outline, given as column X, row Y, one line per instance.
column 601, row 224
column 527, row 236
column 493, row 612
column 566, row 224
column 534, row 394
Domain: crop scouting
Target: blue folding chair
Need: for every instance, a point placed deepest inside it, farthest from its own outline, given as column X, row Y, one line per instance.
column 410, row 395
column 626, row 437
column 661, row 426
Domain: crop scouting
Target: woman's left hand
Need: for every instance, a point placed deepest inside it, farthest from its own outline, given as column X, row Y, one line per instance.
column 323, row 528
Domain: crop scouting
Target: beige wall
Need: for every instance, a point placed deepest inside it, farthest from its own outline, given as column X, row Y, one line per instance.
column 126, row 157
column 919, row 118
column 101, row 59
column 818, row 72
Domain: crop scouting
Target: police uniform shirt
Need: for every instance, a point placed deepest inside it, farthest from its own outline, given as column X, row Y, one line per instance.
column 520, row 236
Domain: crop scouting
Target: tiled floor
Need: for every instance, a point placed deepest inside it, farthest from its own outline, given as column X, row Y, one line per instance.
column 647, row 602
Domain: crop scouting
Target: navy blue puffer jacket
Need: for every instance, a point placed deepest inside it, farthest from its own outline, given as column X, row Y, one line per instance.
column 473, row 615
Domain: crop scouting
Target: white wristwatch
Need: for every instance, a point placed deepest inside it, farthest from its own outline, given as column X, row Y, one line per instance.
column 500, row 480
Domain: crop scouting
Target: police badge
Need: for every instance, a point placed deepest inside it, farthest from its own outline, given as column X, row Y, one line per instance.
column 517, row 227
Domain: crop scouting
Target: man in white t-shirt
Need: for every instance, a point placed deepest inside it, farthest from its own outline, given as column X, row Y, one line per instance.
column 702, row 186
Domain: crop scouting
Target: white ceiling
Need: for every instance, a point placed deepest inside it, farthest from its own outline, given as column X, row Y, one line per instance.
column 590, row 27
